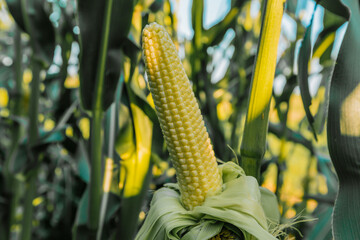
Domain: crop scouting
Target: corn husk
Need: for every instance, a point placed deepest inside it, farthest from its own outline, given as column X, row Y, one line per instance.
column 238, row 208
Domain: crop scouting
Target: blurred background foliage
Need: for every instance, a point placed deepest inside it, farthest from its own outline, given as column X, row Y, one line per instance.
column 218, row 58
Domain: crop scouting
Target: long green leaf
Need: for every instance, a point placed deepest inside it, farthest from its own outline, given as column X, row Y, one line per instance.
column 336, row 7
column 92, row 16
column 322, row 229
column 344, row 129
column 134, row 146
column 303, row 63
column 324, row 43
column 80, row 231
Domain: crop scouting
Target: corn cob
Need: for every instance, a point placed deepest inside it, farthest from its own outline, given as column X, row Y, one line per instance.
column 181, row 121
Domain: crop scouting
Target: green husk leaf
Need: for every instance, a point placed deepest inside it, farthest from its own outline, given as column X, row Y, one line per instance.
column 270, row 205
column 239, row 205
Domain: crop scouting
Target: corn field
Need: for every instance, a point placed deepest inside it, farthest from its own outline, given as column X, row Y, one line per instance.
column 179, row 119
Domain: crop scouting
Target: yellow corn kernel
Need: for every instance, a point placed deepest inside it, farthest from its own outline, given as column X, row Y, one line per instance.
column 181, row 121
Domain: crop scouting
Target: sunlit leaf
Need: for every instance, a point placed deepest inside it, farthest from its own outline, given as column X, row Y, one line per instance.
column 134, row 147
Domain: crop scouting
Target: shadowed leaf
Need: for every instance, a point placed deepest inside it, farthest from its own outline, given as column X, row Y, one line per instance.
column 93, row 38
column 344, row 129
column 303, row 63
column 32, row 18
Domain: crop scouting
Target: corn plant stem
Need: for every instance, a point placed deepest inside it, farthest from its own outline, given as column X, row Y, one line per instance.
column 16, row 107
column 96, row 160
column 30, row 191
column 32, row 138
column 18, row 80
column 96, row 128
column 236, row 118
column 108, row 172
column 28, row 206
column 256, row 125
column 197, row 6
column 14, row 183
column 15, row 198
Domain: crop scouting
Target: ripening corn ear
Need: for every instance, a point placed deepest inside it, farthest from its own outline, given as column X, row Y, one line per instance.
column 224, row 203
column 180, row 119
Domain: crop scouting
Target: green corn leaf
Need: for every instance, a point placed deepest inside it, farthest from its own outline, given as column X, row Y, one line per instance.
column 303, row 63
column 134, row 144
column 335, row 6
column 324, row 43
column 322, row 229
column 325, row 168
column 343, row 129
column 32, row 18
column 80, row 230
column 321, row 115
column 112, row 208
column 130, row 209
column 111, row 130
column 83, row 168
column 103, row 29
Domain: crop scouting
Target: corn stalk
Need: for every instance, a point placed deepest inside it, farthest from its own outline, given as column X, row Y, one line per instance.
column 12, row 183
column 256, row 125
